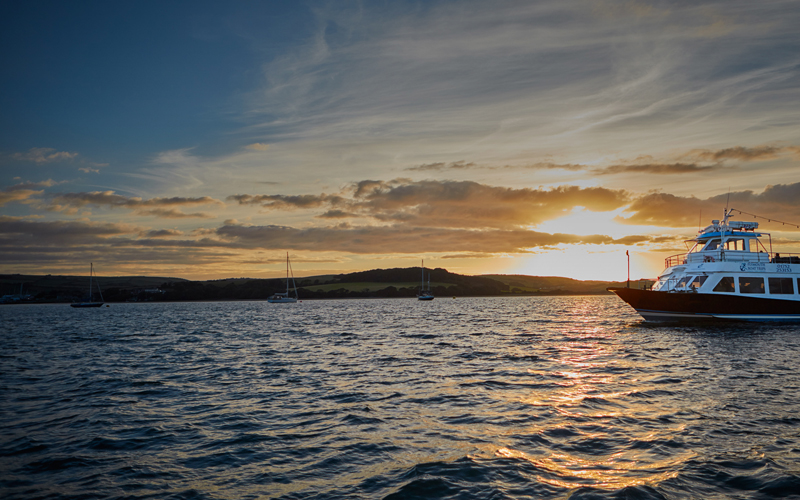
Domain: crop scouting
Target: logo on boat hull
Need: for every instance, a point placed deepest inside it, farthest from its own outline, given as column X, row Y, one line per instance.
column 753, row 266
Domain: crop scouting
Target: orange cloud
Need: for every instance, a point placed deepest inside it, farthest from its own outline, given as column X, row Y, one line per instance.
column 447, row 204
column 23, row 192
column 656, row 168
column 742, row 153
column 781, row 202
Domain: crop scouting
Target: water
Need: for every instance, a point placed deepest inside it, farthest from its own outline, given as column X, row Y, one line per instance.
column 498, row 398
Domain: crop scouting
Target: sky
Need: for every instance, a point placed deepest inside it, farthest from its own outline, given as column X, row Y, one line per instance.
column 206, row 140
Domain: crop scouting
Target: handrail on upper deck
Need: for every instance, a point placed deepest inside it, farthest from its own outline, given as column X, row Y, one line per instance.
column 731, row 256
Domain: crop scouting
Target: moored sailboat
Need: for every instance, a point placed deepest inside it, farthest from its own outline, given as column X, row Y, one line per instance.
column 424, row 294
column 283, row 297
column 90, row 302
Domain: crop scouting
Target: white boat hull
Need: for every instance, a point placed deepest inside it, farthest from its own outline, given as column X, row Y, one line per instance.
column 283, row 300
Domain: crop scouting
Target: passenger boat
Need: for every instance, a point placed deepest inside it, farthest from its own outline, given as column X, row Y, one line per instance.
column 284, row 298
column 728, row 274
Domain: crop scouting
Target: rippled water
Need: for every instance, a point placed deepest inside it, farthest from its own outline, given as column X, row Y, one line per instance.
column 555, row 397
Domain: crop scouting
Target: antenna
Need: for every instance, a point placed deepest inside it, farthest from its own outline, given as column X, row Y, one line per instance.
column 727, row 203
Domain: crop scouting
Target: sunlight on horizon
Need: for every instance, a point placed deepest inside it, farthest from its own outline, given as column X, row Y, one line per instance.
column 582, row 262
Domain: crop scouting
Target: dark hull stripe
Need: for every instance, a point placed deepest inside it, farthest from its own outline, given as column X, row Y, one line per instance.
column 666, row 306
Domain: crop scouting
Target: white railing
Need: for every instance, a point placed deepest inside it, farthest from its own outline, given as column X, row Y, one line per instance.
column 731, row 256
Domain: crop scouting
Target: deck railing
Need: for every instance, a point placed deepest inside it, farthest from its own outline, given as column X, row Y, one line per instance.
column 731, row 256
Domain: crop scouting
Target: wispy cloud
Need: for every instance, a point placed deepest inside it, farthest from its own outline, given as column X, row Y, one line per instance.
column 497, row 81
column 702, row 161
column 158, row 207
column 758, row 153
column 456, row 165
column 44, row 155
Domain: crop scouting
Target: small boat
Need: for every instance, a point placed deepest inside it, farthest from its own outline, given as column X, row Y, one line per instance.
column 425, row 294
column 90, row 303
column 283, row 297
column 728, row 274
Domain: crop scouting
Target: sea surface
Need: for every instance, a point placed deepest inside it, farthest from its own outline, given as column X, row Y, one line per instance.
column 468, row 398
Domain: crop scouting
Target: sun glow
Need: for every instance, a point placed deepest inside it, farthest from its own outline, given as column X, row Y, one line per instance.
column 584, row 223
column 587, row 262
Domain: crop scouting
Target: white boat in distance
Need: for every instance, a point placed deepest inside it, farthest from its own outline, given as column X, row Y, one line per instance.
column 89, row 303
column 728, row 274
column 284, row 298
column 425, row 294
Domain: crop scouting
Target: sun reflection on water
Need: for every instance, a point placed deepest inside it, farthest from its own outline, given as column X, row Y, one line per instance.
column 591, row 394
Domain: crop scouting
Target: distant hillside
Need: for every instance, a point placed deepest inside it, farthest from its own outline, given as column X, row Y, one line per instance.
column 520, row 283
column 396, row 282
column 53, row 286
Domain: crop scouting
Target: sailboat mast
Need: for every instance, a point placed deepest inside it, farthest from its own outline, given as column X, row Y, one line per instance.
column 91, row 272
column 287, row 274
column 422, row 281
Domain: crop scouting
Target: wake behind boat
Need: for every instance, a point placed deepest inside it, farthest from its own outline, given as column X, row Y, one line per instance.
column 728, row 274
column 89, row 302
column 283, row 297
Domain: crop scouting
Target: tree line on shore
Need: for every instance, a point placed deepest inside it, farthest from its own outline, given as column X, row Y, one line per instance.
column 378, row 283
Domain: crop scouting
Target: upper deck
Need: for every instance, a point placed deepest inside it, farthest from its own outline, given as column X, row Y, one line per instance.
column 731, row 241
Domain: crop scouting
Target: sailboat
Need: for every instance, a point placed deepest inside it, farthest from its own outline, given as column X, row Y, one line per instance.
column 284, row 298
column 90, row 303
column 425, row 294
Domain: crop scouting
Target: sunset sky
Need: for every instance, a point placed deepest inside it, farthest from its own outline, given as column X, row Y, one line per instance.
column 205, row 140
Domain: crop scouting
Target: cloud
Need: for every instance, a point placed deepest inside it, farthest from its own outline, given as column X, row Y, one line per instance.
column 171, row 213
column 60, row 233
column 163, row 233
column 258, row 146
column 758, row 153
column 336, row 214
column 447, row 204
column 398, row 239
column 467, row 255
column 286, row 202
column 505, row 80
column 456, row 165
column 44, row 155
column 159, row 207
column 656, row 168
column 777, row 202
column 22, row 192
column 676, row 167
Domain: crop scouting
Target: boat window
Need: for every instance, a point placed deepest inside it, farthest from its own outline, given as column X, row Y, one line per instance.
column 734, row 244
column 751, row 285
column 783, row 286
column 662, row 281
column 684, row 282
column 725, row 285
column 712, row 245
column 698, row 281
